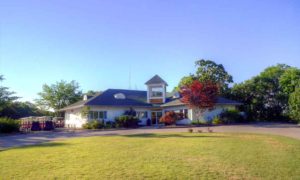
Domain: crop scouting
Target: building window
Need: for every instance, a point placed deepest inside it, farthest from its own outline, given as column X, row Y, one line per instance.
column 142, row 114
column 157, row 92
column 181, row 113
column 98, row 115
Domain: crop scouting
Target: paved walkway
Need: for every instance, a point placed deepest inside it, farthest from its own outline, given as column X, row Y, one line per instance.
column 288, row 130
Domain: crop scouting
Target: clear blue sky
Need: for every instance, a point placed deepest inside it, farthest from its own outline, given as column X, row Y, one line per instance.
column 98, row 42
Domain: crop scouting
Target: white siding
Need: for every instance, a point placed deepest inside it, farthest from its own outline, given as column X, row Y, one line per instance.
column 73, row 118
column 209, row 115
column 113, row 112
column 206, row 115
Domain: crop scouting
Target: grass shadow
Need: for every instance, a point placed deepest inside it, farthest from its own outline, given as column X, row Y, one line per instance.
column 43, row 145
column 152, row 135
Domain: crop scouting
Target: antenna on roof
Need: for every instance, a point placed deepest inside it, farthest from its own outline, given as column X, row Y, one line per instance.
column 129, row 77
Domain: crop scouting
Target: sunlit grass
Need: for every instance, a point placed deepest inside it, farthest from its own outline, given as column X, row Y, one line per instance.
column 157, row 156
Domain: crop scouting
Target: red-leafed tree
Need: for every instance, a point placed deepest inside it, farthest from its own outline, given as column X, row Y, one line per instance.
column 200, row 95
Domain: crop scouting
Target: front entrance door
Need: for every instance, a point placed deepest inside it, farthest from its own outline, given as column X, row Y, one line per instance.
column 155, row 116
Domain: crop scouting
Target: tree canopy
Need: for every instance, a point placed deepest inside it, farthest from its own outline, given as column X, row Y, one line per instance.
column 262, row 95
column 294, row 104
column 6, row 96
column 200, row 95
column 290, row 79
column 59, row 95
column 208, row 70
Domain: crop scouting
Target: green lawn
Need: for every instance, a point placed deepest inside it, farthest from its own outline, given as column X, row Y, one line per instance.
column 157, row 156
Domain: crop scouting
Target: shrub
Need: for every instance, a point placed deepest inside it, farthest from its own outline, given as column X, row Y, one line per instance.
column 8, row 125
column 231, row 116
column 190, row 130
column 201, row 122
column 216, row 120
column 127, row 121
column 110, row 124
column 94, row 124
column 169, row 118
column 195, row 122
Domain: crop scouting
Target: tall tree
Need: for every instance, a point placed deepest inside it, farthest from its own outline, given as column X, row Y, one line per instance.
column 290, row 79
column 199, row 95
column 92, row 93
column 59, row 95
column 6, row 96
column 263, row 97
column 294, row 104
column 290, row 83
column 208, row 70
column 16, row 110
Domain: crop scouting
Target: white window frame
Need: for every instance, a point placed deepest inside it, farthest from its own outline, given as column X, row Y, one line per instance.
column 104, row 115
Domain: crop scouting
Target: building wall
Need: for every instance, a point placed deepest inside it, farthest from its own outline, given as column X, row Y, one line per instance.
column 206, row 115
column 209, row 115
column 73, row 117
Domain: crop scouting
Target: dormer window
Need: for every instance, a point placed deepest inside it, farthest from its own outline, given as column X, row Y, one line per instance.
column 119, row 96
column 157, row 91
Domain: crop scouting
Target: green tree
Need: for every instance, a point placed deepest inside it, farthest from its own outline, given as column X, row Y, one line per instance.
column 290, row 79
column 16, row 110
column 92, row 93
column 208, row 70
column 294, row 104
column 6, row 96
column 263, row 97
column 59, row 95
column 290, row 83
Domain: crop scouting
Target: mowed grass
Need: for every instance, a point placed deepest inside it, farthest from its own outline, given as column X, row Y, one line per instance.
column 157, row 156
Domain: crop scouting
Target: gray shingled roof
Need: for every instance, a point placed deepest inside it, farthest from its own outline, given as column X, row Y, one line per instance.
column 80, row 103
column 133, row 98
column 156, row 80
column 220, row 100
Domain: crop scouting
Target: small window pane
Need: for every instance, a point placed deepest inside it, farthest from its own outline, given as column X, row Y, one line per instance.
column 91, row 115
column 101, row 115
column 96, row 116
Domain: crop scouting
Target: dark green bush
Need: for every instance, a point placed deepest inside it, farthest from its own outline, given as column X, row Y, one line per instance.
column 201, row 122
column 127, row 121
column 216, row 121
column 94, row 124
column 231, row 116
column 8, row 125
column 110, row 124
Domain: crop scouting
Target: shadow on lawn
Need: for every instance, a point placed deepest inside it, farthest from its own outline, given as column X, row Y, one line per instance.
column 150, row 135
column 44, row 145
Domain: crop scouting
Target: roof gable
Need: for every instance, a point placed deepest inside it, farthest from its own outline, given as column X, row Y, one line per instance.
column 156, row 80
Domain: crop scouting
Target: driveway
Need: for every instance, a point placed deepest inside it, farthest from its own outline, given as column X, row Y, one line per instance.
column 288, row 130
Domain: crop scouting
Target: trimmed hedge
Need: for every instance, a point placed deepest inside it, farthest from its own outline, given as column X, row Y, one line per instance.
column 94, row 124
column 127, row 121
column 231, row 116
column 8, row 125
